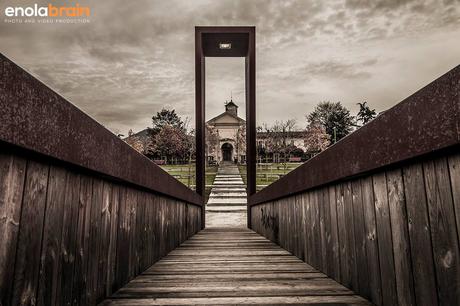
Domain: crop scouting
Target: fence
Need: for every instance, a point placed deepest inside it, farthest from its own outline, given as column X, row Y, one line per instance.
column 81, row 213
column 380, row 210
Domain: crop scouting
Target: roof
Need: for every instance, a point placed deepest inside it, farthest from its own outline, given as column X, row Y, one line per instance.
column 223, row 114
column 231, row 103
column 140, row 134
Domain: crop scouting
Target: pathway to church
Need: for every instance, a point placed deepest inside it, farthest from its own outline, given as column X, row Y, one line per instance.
column 227, row 204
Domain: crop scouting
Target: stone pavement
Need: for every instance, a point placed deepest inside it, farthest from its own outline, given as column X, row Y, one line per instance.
column 227, row 202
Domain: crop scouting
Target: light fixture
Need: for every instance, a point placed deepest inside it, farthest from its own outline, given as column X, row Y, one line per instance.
column 225, row 45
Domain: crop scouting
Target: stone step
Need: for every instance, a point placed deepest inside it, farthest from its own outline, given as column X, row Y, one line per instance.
column 228, row 185
column 222, row 209
column 228, row 200
column 224, row 189
column 228, row 195
column 242, row 204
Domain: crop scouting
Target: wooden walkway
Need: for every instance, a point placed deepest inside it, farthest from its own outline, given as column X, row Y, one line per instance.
column 232, row 266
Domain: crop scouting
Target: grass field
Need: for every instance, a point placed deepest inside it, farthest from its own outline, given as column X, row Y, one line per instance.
column 186, row 175
column 268, row 173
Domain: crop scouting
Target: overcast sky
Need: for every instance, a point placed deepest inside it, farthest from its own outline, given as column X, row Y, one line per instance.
column 136, row 57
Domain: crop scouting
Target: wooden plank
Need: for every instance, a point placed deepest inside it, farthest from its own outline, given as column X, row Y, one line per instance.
column 69, row 238
column 317, row 262
column 335, row 274
column 83, row 232
column 112, row 248
column 122, row 240
column 27, row 265
column 443, row 230
column 104, row 238
column 371, row 242
column 419, row 233
column 50, row 269
column 322, row 227
column 360, row 239
column 92, row 289
column 400, row 237
column 302, row 300
column 349, row 225
column 309, row 231
column 207, row 280
column 327, row 246
column 12, row 174
column 385, row 243
column 454, row 171
column 345, row 277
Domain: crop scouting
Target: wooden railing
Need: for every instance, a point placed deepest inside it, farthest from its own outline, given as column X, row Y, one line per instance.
column 81, row 213
column 380, row 210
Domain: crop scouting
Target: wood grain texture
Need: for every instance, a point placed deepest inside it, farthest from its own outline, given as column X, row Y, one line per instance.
column 383, row 222
column 226, row 275
column 420, row 239
column 12, row 174
column 400, row 238
column 443, row 231
column 50, row 270
column 391, row 236
column 372, row 248
column 73, row 238
column 360, row 240
column 27, row 265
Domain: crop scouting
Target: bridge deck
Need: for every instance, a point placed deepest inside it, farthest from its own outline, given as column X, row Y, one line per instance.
column 232, row 266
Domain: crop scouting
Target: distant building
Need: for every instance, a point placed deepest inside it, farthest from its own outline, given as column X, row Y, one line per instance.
column 225, row 137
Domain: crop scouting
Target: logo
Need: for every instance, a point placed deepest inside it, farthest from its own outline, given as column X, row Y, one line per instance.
column 58, row 14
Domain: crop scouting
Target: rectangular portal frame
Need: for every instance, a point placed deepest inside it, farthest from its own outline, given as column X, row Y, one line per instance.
column 208, row 42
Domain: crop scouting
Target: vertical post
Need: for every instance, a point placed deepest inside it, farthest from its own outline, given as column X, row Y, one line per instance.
column 200, row 120
column 251, row 117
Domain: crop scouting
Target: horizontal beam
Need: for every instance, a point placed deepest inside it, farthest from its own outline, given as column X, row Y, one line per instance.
column 34, row 117
column 425, row 122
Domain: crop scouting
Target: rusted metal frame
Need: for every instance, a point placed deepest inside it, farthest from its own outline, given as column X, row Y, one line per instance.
column 250, row 72
column 200, row 121
column 251, row 119
column 35, row 118
column 425, row 122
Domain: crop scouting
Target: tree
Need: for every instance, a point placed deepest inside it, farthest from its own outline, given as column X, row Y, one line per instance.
column 365, row 114
column 316, row 138
column 335, row 118
column 171, row 141
column 212, row 140
column 166, row 117
column 278, row 138
column 240, row 138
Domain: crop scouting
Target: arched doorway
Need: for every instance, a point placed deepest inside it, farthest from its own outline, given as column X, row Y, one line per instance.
column 227, row 150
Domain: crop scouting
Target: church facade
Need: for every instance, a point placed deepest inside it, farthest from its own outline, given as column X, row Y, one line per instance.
column 226, row 136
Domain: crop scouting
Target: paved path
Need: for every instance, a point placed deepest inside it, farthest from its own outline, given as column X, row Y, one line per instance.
column 232, row 266
column 227, row 204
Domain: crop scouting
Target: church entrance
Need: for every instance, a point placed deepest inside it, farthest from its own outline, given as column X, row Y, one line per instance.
column 227, row 150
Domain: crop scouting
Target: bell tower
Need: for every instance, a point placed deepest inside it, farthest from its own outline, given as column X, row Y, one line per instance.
column 231, row 108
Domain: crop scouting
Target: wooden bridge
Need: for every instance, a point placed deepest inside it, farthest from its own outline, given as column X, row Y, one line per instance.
column 85, row 219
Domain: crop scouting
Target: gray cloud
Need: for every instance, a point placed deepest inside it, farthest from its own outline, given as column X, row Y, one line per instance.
column 136, row 57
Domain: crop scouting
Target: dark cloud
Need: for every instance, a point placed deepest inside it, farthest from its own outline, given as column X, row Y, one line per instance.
column 136, row 57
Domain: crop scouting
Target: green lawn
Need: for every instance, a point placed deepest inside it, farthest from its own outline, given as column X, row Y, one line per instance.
column 186, row 175
column 268, row 173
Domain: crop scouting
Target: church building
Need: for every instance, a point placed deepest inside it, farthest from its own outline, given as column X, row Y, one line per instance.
column 226, row 136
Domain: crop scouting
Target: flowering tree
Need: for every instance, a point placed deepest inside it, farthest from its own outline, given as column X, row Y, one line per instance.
column 316, row 138
column 212, row 140
column 171, row 141
column 241, row 140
